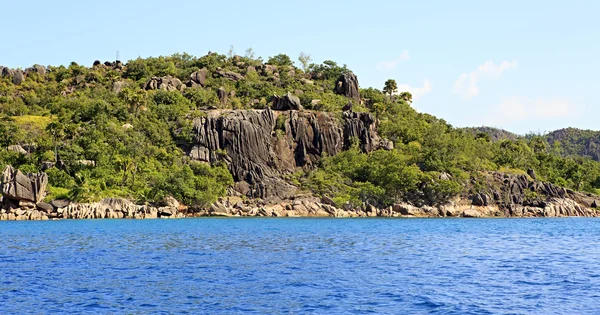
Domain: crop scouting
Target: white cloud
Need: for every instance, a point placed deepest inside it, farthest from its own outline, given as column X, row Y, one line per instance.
column 467, row 83
column 516, row 109
column 391, row 64
column 416, row 92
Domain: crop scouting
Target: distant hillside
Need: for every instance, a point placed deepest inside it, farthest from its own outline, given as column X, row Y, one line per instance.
column 575, row 142
column 496, row 134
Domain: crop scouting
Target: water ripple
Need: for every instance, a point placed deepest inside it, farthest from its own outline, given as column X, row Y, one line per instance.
column 291, row 266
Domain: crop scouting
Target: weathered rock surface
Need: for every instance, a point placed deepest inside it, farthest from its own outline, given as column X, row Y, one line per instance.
column 16, row 148
column 18, row 186
column 165, row 83
column 199, row 77
column 18, row 77
column 114, row 208
column 258, row 154
column 118, row 86
column 8, row 72
column 286, row 102
column 40, row 70
column 222, row 95
column 229, row 75
column 347, row 85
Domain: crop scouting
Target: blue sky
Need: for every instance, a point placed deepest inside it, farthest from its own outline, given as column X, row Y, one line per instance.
column 520, row 65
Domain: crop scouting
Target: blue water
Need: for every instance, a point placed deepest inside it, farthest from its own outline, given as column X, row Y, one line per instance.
column 298, row 266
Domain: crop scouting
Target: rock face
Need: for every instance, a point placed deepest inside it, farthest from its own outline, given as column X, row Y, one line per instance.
column 165, row 83
column 118, row 86
column 261, row 145
column 16, row 148
column 8, row 72
column 286, row 102
column 518, row 195
column 199, row 77
column 229, row 75
column 222, row 95
column 17, row 186
column 19, row 77
column 347, row 85
column 41, row 70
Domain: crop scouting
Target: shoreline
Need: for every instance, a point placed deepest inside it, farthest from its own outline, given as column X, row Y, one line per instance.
column 112, row 208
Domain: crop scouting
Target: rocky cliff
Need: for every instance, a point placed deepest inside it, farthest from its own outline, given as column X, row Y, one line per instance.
column 259, row 146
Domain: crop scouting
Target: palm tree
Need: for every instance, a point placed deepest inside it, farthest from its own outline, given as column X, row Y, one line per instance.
column 390, row 87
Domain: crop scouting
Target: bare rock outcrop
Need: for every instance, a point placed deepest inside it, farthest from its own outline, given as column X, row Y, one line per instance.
column 286, row 102
column 259, row 146
column 198, row 77
column 38, row 69
column 524, row 196
column 347, row 85
column 164, row 83
column 21, row 187
column 229, row 75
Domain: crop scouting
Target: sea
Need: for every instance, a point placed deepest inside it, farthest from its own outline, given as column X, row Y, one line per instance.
column 301, row 266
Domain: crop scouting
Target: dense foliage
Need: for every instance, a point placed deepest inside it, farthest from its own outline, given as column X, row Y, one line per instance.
column 433, row 161
column 97, row 133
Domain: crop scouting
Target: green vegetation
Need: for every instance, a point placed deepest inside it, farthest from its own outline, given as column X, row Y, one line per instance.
column 98, row 133
column 432, row 160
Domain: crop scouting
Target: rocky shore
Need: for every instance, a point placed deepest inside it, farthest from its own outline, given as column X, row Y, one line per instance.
column 506, row 196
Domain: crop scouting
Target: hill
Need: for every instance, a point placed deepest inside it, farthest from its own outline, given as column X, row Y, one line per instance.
column 201, row 128
column 576, row 142
column 494, row 134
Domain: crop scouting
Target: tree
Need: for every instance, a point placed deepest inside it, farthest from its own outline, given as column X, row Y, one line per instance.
column 390, row 87
column 136, row 98
column 305, row 60
column 280, row 60
column 231, row 52
column 57, row 130
column 250, row 53
column 406, row 96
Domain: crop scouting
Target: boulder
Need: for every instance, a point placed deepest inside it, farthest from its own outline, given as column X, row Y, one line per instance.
column 531, row 173
column 328, row 201
column 347, row 85
column 218, row 209
column 17, row 186
column 19, row 77
column 118, row 86
column 269, row 69
column 481, row 200
column 8, row 72
column 60, row 203
column 242, row 187
column 171, row 202
column 348, row 106
column 222, row 94
column 286, row 102
column 409, row 210
column 40, row 70
column 230, row 75
column 167, row 212
column 471, row 213
column 386, row 144
column 44, row 206
column 16, row 148
column 164, row 83
column 199, row 76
